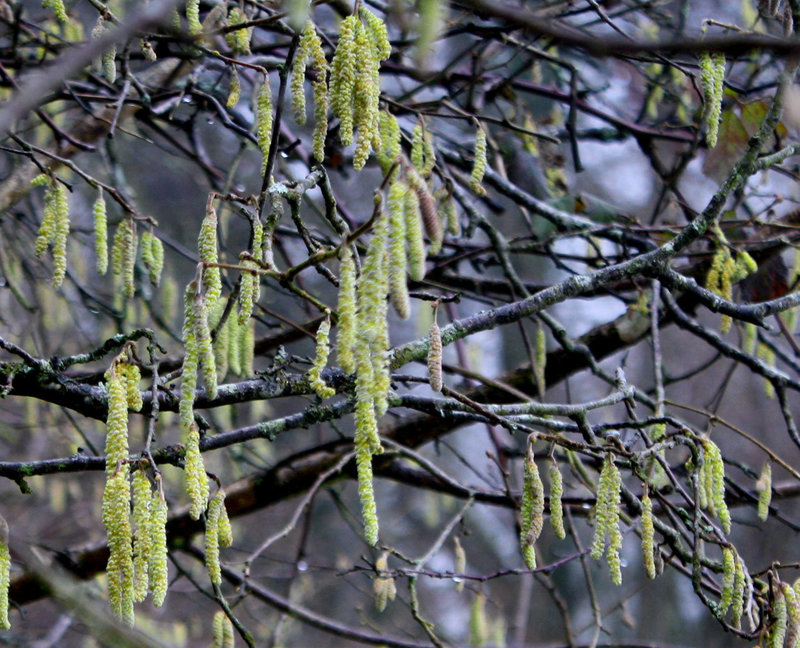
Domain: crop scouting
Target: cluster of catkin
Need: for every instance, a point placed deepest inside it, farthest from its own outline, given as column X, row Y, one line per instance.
column 363, row 338
column 725, row 271
column 54, row 229
column 136, row 540
column 711, row 486
column 784, row 631
column 737, row 586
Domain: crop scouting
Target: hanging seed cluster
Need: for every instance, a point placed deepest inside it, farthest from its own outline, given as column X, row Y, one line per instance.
column 321, row 359
column 310, row 49
column 355, row 82
column 712, row 484
column 764, row 490
column 222, row 631
column 606, row 519
column 531, row 509
column 54, row 229
column 137, row 539
column 218, row 534
column 725, row 271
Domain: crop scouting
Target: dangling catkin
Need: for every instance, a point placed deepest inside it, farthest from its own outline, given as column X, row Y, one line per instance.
column 460, row 566
column 207, row 249
column 648, row 537
column 764, row 490
column 343, row 78
column 531, row 509
column 5, row 574
column 264, row 121
column 398, row 289
column 157, row 565
column 141, row 537
column 212, row 540
column 100, row 233
column 479, row 163
column 435, row 355
column 416, row 245
column 321, row 360
column 346, row 335
column 556, row 505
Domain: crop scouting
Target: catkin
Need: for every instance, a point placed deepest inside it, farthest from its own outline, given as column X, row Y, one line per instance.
column 321, row 360
column 739, row 581
column 234, row 89
column 264, row 121
column 716, row 474
column 58, row 9
column 207, row 249
column 238, row 39
column 346, row 334
column 193, row 17
column 247, row 334
column 777, row 634
column 234, row 348
column 606, row 512
column 728, row 575
column 398, row 289
column 222, row 631
column 366, row 93
column 478, row 624
column 712, row 77
column 141, row 538
column 648, row 537
column 100, row 233
column 157, row 559
column 343, row 78
column 212, row 540
column 764, row 490
column 195, row 474
column 479, row 163
column 383, row 587
column 435, row 356
column 531, row 510
column 460, row 566
column 416, row 246
column 132, row 377
column 366, row 491
column 5, row 574
column 205, row 348
column 61, row 207
column 556, row 493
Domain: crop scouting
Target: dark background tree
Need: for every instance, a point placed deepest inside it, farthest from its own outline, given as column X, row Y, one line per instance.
column 614, row 291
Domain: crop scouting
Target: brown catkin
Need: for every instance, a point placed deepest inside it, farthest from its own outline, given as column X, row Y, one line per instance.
column 435, row 356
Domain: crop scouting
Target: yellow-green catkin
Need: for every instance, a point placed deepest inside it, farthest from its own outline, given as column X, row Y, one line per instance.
column 777, row 633
column 123, row 255
column 193, row 17
column 460, row 566
column 310, row 48
column 739, row 583
column 712, row 77
column 152, row 256
column 383, row 587
column 222, row 631
column 435, row 355
column 141, row 537
column 343, row 77
column 366, row 492
column 728, row 574
column 556, row 494
column 58, row 9
column 132, row 376
column 366, row 94
column 540, row 360
column 398, row 288
column 414, row 240
column 100, row 233
column 749, row 338
column 346, row 334
column 234, row 88
column 793, row 616
column 234, row 348
column 195, row 474
column 116, row 499
column 648, row 537
column 212, row 538
column 764, row 490
column 5, row 574
column 715, row 475
column 531, row 509
column 250, row 282
column 207, row 249
column 391, row 139
column 479, row 163
column 606, row 512
column 417, row 152
column 157, row 559
column 264, row 121
column 60, row 206
column 205, row 348
column 321, row 359
column 238, row 39
column 478, row 623
column 247, row 335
